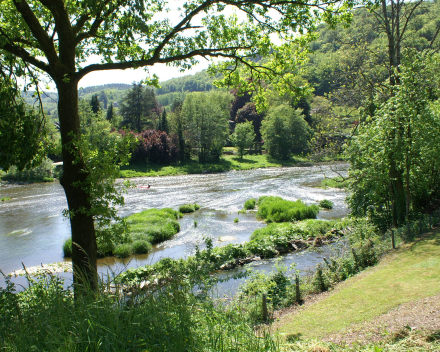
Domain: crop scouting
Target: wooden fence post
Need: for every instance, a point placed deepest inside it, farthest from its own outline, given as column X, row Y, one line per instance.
column 265, row 315
column 298, row 292
column 392, row 239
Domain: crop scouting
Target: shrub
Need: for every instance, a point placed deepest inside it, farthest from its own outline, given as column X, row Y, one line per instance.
column 189, row 208
column 41, row 173
column 277, row 209
column 67, row 247
column 123, row 250
column 326, row 204
column 250, row 204
column 141, row 247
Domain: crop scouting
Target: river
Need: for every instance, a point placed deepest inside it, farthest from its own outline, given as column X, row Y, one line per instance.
column 33, row 229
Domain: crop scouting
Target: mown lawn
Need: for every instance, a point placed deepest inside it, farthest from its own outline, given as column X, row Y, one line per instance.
column 411, row 273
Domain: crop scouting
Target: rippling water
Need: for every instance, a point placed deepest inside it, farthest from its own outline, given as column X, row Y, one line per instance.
column 32, row 228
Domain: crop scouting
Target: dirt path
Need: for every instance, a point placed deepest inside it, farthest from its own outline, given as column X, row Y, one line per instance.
column 423, row 315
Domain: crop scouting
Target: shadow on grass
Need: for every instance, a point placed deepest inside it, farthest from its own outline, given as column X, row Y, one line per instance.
column 247, row 161
column 435, row 336
column 187, row 167
column 293, row 337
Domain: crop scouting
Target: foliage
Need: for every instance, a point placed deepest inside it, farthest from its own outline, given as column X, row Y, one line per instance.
column 135, row 234
column 42, row 173
column 104, row 151
column 21, row 130
column 155, row 147
column 285, row 131
column 189, row 208
column 277, row 209
column 413, row 113
column 250, row 204
column 122, row 250
column 137, row 108
column 243, row 136
column 299, row 230
column 326, row 204
column 249, row 113
column 67, row 247
column 163, row 122
column 163, row 319
column 236, row 220
column 205, row 123
column 94, row 104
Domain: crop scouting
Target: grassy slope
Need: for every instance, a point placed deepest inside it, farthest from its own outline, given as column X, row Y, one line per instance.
column 226, row 163
column 409, row 274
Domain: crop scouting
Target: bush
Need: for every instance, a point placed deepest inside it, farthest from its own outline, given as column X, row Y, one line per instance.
column 42, row 173
column 67, row 247
column 189, row 208
column 141, row 247
column 250, row 204
column 326, row 204
column 122, row 250
column 277, row 209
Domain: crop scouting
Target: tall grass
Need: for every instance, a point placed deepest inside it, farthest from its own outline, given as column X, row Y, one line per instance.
column 277, row 209
column 45, row 317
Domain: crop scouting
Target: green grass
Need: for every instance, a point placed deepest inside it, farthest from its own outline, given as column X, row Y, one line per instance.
column 301, row 230
column 336, row 182
column 45, row 317
column 226, row 163
column 408, row 275
column 153, row 225
column 189, row 208
column 146, row 228
column 277, row 209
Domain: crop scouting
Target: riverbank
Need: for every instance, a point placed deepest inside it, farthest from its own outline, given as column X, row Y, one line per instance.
column 383, row 306
column 226, row 163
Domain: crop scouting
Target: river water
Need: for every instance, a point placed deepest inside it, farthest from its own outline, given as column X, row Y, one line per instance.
column 33, row 229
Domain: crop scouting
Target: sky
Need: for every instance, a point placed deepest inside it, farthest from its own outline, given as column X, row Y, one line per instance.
column 129, row 76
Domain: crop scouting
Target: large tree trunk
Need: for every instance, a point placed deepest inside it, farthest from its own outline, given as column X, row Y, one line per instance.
column 74, row 182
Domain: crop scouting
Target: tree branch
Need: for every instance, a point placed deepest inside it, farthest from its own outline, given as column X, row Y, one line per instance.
column 219, row 52
column 36, row 29
column 25, row 56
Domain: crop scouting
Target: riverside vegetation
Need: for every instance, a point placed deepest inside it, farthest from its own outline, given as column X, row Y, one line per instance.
column 138, row 232
column 174, row 311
